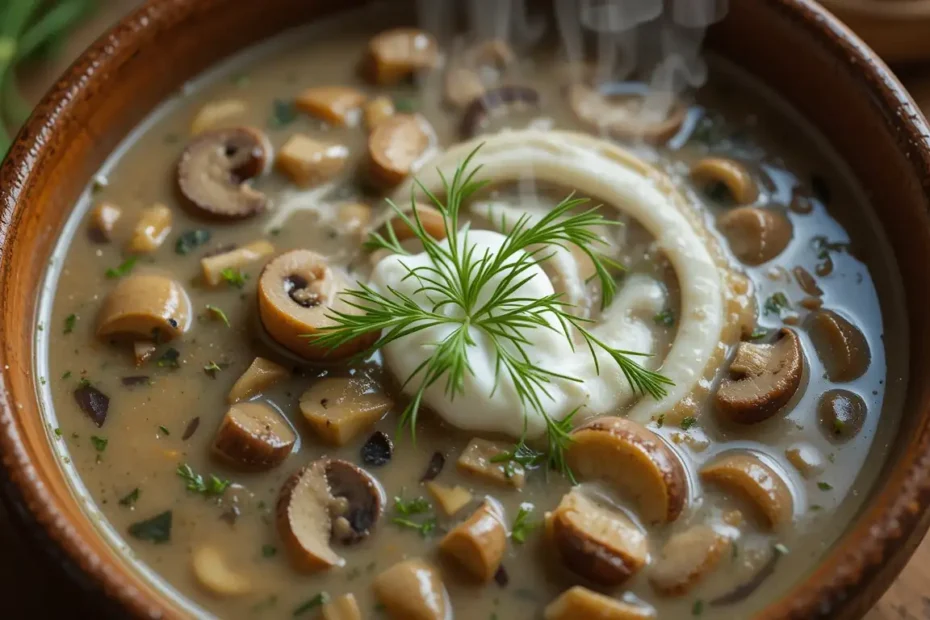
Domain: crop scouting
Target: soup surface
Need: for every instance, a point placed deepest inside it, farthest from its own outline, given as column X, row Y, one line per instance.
column 265, row 473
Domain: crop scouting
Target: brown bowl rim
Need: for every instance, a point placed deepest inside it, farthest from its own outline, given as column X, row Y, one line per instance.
column 894, row 513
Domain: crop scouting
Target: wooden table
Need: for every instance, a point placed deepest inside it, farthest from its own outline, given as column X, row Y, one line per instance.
column 29, row 588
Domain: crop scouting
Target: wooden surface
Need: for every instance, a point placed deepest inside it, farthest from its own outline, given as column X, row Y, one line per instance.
column 31, row 588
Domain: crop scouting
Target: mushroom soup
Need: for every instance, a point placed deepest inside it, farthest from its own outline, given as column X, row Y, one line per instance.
column 592, row 361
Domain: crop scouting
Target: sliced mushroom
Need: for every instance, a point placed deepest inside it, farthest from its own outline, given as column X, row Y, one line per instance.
column 413, row 590
column 430, row 219
column 295, row 293
column 395, row 55
column 145, row 306
column 623, row 116
column 214, row 170
column 636, row 461
column 358, row 501
column 746, row 475
column 142, row 351
column 841, row 414
column 595, row 541
column 761, row 380
column 495, row 102
column 254, row 436
column 238, row 258
column 396, row 147
column 449, row 499
column 377, row 110
column 219, row 114
column 215, row 576
column 259, row 376
column 343, row 607
column 756, row 235
column 686, row 558
column 354, row 216
column 478, row 544
column 728, row 173
column 151, row 230
column 103, row 220
column 478, row 459
column 308, row 162
column 806, row 459
column 462, row 86
column 840, row 345
column 339, row 409
column 579, row 602
column 337, row 105
column 807, row 282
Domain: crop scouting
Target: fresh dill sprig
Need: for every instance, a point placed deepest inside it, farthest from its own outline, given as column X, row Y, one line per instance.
column 458, row 275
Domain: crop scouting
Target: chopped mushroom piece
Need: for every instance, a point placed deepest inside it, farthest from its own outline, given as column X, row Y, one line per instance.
column 377, row 110
column 449, row 499
column 413, row 590
column 761, row 380
column 746, row 475
column 214, row 170
column 339, row 409
column 462, row 86
column 214, row 266
column 215, row 576
column 254, row 436
column 397, row 147
column 623, row 116
column 806, row 459
column 807, row 282
column 841, row 414
column 397, row 54
column 218, row 114
column 840, row 345
column 731, row 174
column 478, row 544
column 477, row 459
column 635, row 461
column 308, row 162
column 151, row 230
column 103, row 220
column 259, row 376
column 337, row 105
column 296, row 291
column 342, row 607
column 431, row 220
column 145, row 306
column 579, row 603
column 142, row 351
column 354, row 216
column 596, row 541
column 756, row 235
column 687, row 558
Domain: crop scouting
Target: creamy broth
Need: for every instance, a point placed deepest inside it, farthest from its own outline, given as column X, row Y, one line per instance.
column 129, row 464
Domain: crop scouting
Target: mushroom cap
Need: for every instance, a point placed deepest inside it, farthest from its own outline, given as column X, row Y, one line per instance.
column 254, row 436
column 364, row 499
column 840, row 345
column 756, row 235
column 143, row 305
column 621, row 115
column 761, row 380
column 732, row 174
column 213, row 170
column 686, row 558
column 413, row 590
column 397, row 146
column 763, row 486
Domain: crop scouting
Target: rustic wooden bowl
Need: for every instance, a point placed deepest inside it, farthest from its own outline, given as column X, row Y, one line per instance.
column 896, row 29
column 793, row 45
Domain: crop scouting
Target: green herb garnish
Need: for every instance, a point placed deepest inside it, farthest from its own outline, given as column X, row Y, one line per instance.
column 212, row 486
column 100, row 443
column 660, row 420
column 66, row 375
column 824, row 247
column 405, row 104
column 317, row 601
column 776, row 303
column 665, row 318
column 780, row 548
column 687, row 422
column 190, row 240
column 70, row 322
column 269, row 551
column 164, row 431
column 522, row 526
column 408, row 507
column 124, row 268
column 758, row 332
column 824, row 486
column 130, row 498
column 156, row 530
column 212, row 368
column 169, row 359
column 218, row 314
column 234, row 277
column 698, row 608
column 283, row 113
column 425, row 527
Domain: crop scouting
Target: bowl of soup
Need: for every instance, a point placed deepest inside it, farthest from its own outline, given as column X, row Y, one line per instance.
column 339, row 311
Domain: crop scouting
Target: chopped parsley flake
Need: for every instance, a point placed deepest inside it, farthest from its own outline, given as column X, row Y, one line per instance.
column 317, row 601
column 425, row 528
column 169, row 359
column 164, row 431
column 130, row 498
column 218, row 313
column 269, row 551
column 100, row 443
column 70, row 322
column 687, row 422
column 698, row 608
column 156, row 530
column 776, row 303
column 283, row 113
column 212, row 368
column 824, row 486
column 665, row 318
column 124, row 268
column 522, row 526
column 210, row 487
column 234, row 277
column 415, row 506
column 758, row 332
column 190, row 240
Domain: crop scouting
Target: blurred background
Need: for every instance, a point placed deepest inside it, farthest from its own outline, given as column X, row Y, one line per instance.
column 40, row 38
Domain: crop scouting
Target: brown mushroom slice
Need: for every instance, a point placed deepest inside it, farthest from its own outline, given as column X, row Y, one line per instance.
column 478, row 544
column 761, row 380
column 746, row 475
column 339, row 409
column 296, row 291
column 478, row 459
column 354, row 216
column 413, row 590
column 377, row 110
column 756, row 235
column 303, row 519
column 840, row 345
column 337, row 105
column 358, row 501
column 462, row 86
column 213, row 267
column 151, row 230
column 343, row 607
column 635, row 461
column 103, row 220
column 259, row 376
column 596, row 541
column 841, row 414
column 730, row 174
column 449, row 499
column 142, row 351
column 806, row 459
column 686, row 558
column 430, row 219
column 145, row 306
column 623, row 115
column 495, row 102
column 215, row 576
column 579, row 602
column 807, row 282
column 254, row 436
column 395, row 55
column 219, row 114
column 214, row 170
column 396, row 147
column 308, row 162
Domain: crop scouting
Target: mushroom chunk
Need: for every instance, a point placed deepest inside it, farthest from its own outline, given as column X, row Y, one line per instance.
column 103, row 221
column 413, row 590
column 595, row 541
column 309, row 162
column 732, row 175
column 746, row 475
column 430, row 219
column 395, row 55
column 397, row 146
column 254, row 436
column 635, row 461
column 344, row 607
column 841, row 347
column 358, row 503
column 687, row 558
column 219, row 114
column 214, row 266
column 495, row 102
column 756, row 235
column 841, row 414
column 215, row 576
column 339, row 409
column 478, row 458
column 449, row 499
column 377, row 110
column 296, row 291
column 579, row 602
column 151, row 230
column 337, row 105
column 259, row 376
column 478, row 544
column 214, row 168
column 145, row 306
column 624, row 116
column 761, row 380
